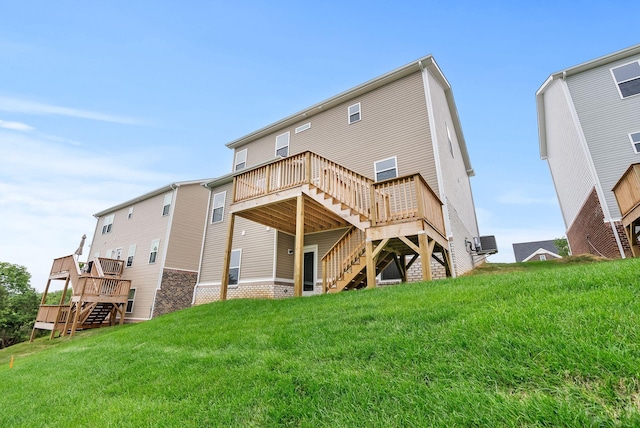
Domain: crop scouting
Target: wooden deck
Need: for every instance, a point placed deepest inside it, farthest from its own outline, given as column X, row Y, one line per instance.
column 627, row 193
column 307, row 193
column 99, row 296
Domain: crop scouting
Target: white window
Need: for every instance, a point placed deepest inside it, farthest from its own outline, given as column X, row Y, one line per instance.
column 449, row 140
column 217, row 215
column 282, row 145
column 130, row 299
column 543, row 257
column 304, row 127
column 627, row 78
column 234, row 267
column 354, row 113
column 130, row 213
column 386, row 168
column 108, row 223
column 241, row 160
column 166, row 206
column 117, row 254
column 635, row 141
column 131, row 254
column 153, row 251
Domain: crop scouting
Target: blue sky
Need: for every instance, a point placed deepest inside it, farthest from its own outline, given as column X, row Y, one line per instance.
column 103, row 101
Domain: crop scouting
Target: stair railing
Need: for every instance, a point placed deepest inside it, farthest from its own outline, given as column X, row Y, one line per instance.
column 342, row 256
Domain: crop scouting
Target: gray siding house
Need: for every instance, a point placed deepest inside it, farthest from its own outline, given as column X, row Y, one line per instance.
column 535, row 250
column 589, row 129
column 325, row 199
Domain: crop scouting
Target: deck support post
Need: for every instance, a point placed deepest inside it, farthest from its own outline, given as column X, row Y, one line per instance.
column 426, row 250
column 224, row 283
column 299, row 251
column 371, row 265
column 66, row 323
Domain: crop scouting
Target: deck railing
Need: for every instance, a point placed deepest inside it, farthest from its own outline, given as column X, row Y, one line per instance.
column 627, row 189
column 342, row 256
column 397, row 199
column 111, row 266
column 49, row 313
column 106, row 287
column 406, row 198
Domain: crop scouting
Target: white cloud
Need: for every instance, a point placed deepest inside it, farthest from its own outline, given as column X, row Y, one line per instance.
column 16, row 105
column 15, row 126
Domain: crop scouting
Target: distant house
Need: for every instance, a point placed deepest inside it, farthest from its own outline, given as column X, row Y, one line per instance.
column 158, row 235
column 589, row 132
column 325, row 199
column 538, row 250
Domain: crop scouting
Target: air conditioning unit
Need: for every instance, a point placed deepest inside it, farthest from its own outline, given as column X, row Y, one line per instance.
column 485, row 244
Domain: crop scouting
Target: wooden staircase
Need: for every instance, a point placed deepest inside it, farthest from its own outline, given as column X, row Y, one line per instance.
column 99, row 296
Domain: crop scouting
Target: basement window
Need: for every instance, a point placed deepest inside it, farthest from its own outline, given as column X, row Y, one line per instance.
column 354, row 113
column 130, row 298
column 386, row 168
column 217, row 214
column 282, row 144
column 241, row 160
column 627, row 78
column 635, row 141
column 234, row 267
column 108, row 223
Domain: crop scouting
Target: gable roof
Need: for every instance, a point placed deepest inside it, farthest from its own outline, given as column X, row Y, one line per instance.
column 427, row 62
column 562, row 74
column 523, row 250
column 151, row 194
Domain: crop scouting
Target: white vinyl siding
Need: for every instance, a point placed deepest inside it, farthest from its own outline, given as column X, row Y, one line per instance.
column 449, row 140
column 217, row 215
column 130, row 255
column 627, row 78
column 282, row 144
column 635, row 141
column 386, row 168
column 108, row 224
column 354, row 113
column 234, row 267
column 166, row 206
column 153, row 251
column 241, row 160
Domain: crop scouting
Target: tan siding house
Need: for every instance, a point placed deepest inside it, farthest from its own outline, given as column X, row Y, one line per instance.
column 159, row 236
column 325, row 199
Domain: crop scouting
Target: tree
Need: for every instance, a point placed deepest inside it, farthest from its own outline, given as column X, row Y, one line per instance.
column 18, row 304
column 562, row 245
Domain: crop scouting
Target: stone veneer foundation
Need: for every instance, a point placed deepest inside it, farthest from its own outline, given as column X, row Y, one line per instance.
column 176, row 291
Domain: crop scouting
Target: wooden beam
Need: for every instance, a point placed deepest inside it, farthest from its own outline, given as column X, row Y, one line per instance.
column 410, row 244
column 379, row 248
column 299, row 248
column 426, row 249
column 224, row 284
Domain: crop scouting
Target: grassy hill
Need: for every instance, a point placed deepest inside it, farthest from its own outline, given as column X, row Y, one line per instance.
column 550, row 345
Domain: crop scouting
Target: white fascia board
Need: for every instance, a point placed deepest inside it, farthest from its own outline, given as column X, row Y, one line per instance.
column 542, row 251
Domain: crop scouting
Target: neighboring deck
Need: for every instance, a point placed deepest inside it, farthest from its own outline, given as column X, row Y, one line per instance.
column 99, row 296
column 306, row 193
column 627, row 193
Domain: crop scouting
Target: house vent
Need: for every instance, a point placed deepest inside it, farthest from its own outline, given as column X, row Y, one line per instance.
column 485, row 244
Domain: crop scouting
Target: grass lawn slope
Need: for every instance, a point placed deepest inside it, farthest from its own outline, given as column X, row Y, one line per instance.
column 553, row 345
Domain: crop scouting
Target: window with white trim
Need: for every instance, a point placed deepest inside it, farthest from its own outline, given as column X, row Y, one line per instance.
column 153, row 251
column 166, row 206
column 234, row 267
column 130, row 213
column 304, row 127
column 627, row 78
column 117, row 253
column 130, row 298
column 635, row 141
column 354, row 113
column 543, row 257
column 108, row 223
column 131, row 254
column 386, row 168
column 217, row 215
column 282, row 144
column 241, row 160
column 449, row 139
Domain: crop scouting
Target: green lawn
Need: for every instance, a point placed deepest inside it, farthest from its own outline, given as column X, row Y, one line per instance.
column 551, row 345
